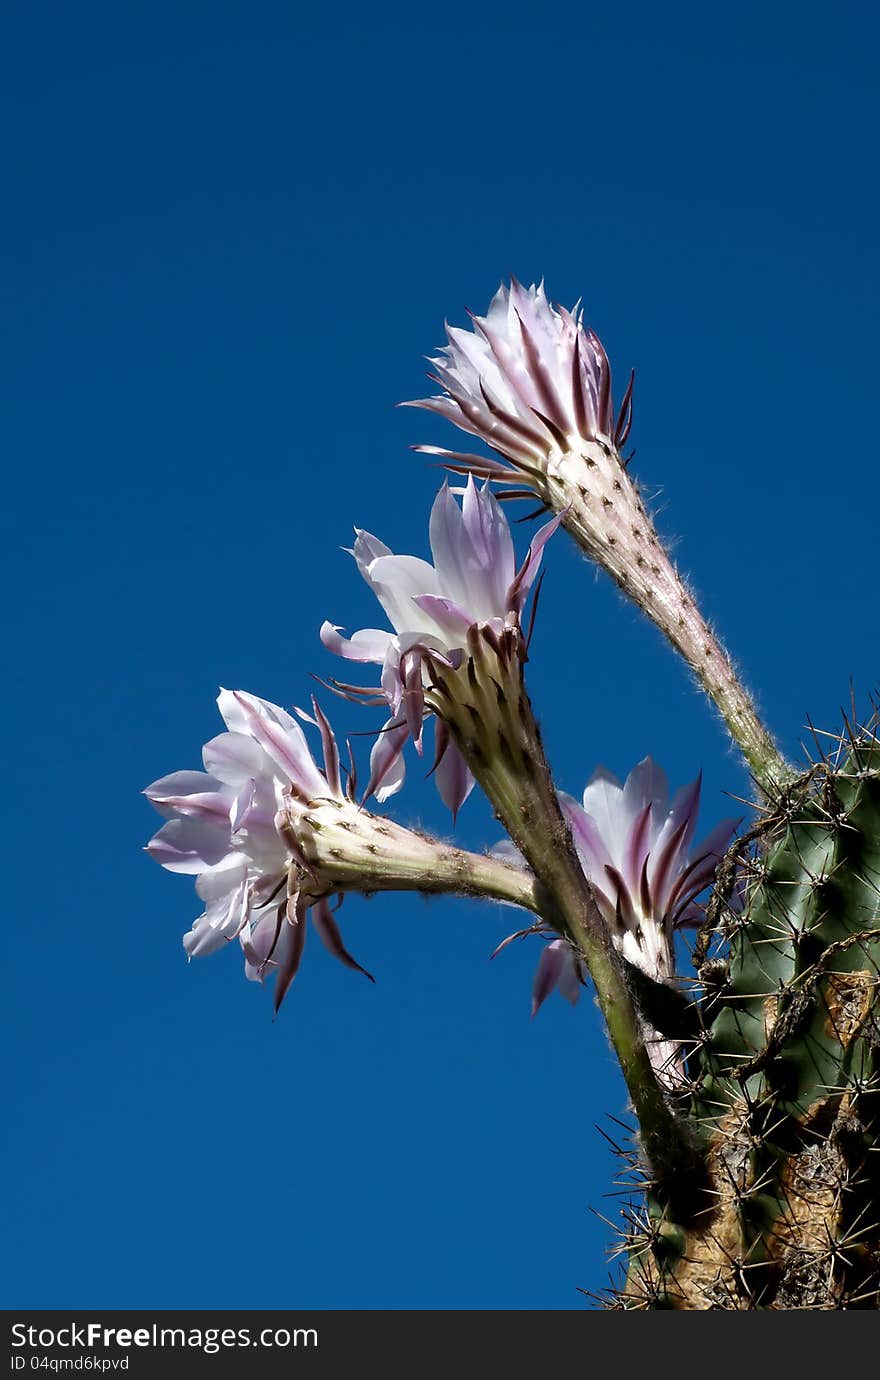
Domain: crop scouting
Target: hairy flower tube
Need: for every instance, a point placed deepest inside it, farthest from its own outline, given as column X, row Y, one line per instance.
column 272, row 838
column 473, row 581
column 637, row 849
column 458, row 651
column 533, row 383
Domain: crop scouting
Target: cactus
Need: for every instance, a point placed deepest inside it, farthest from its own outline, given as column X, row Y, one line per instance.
column 785, row 1067
column 766, row 1193
column 756, row 1094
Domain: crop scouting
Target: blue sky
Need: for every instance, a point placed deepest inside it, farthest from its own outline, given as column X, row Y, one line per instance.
column 231, row 234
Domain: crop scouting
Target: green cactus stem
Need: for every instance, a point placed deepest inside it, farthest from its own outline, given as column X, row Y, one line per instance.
column 487, row 709
column 785, row 1097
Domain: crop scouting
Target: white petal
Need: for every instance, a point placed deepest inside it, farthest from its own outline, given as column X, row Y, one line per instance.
column 367, row 548
column 284, row 742
column 189, row 845
column 190, row 793
column 603, row 802
column 395, row 580
column 235, row 759
column 370, row 644
column 647, row 784
column 222, row 879
column 222, row 921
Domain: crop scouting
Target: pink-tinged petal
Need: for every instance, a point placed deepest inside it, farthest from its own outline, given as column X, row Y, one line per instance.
column 222, row 879
column 286, row 746
column 453, row 558
column 588, row 840
column 470, row 358
column 448, row 408
column 454, row 779
column 548, row 972
column 690, row 917
column 330, row 936
column 414, row 700
column 685, row 809
column 603, row 802
column 189, row 845
column 718, row 840
column 370, row 644
column 672, row 844
column 387, row 767
column 448, row 618
column 528, row 571
column 232, row 712
column 242, row 806
column 542, row 366
column 624, row 900
column 571, row 980
column 258, row 939
column 638, row 845
column 180, row 783
column 527, row 378
column 489, row 534
column 477, row 415
column 201, row 940
column 502, row 328
column 288, row 953
column 646, row 785
column 330, row 750
column 537, row 928
column 367, row 548
column 395, row 581
column 258, row 826
column 190, row 793
column 696, row 877
column 392, row 678
column 460, row 462
column 234, row 759
column 473, row 552
column 234, row 704
column 222, row 921
column 663, row 868
column 700, row 871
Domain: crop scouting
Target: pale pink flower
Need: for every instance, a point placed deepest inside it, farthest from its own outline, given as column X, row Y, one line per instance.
column 474, row 580
column 637, row 849
column 230, row 827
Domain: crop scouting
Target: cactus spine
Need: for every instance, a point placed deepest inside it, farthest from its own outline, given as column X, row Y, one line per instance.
column 785, row 1068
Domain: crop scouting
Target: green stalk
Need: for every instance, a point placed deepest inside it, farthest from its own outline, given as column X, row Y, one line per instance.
column 487, row 709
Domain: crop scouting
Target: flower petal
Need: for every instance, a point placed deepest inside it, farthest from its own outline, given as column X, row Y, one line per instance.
column 329, row 934
column 288, row 953
column 190, row 793
column 189, row 845
column 454, row 779
column 370, row 644
column 646, row 785
column 223, row 919
column 234, row 758
column 285, row 745
column 528, row 571
column 395, row 580
column 548, row 972
column 367, row 548
column 447, row 617
column 571, row 979
column 387, row 767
